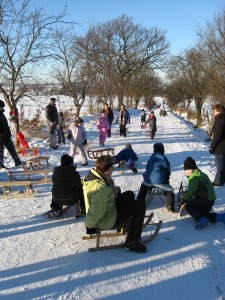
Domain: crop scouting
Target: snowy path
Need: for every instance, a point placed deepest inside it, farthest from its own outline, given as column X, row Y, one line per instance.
column 46, row 259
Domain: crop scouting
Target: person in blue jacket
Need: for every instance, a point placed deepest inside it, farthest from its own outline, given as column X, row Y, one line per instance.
column 158, row 174
column 128, row 155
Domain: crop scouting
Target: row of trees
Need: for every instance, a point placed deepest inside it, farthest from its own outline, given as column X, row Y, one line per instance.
column 198, row 74
column 114, row 59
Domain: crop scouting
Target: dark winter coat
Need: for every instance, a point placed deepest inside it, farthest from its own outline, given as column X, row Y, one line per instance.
column 126, row 154
column 5, row 132
column 51, row 114
column 109, row 114
column 218, row 141
column 143, row 117
column 67, row 185
column 123, row 117
column 157, row 169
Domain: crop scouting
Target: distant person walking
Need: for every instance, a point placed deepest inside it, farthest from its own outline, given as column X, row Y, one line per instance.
column 51, row 114
column 151, row 121
column 109, row 113
column 78, row 139
column 123, row 118
column 103, row 126
column 5, row 139
column 217, row 146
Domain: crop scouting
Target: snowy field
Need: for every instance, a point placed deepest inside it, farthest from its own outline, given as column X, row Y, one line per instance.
column 47, row 258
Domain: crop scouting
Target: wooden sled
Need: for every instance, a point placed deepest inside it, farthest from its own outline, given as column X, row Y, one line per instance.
column 123, row 232
column 25, row 150
column 31, row 175
column 35, row 163
column 95, row 153
column 25, row 193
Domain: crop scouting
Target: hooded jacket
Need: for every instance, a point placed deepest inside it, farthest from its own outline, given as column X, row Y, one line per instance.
column 199, row 186
column 157, row 169
column 99, row 195
column 218, row 141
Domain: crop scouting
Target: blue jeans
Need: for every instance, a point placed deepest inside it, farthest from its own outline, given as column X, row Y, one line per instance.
column 220, row 166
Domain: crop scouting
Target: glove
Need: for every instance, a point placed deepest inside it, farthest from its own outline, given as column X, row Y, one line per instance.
column 210, row 150
column 118, row 190
column 144, row 126
column 85, row 142
column 91, row 230
column 69, row 136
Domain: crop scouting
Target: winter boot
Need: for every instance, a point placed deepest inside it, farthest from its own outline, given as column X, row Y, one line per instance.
column 135, row 246
column 132, row 168
column 220, row 218
column 202, row 222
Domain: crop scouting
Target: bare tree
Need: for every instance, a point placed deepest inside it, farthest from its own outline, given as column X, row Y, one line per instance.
column 25, row 41
column 74, row 68
column 194, row 70
column 124, row 49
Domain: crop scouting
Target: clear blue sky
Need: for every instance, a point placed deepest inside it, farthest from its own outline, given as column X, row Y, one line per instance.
column 179, row 18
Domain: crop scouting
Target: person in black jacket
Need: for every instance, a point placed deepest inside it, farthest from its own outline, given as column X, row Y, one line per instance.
column 51, row 114
column 108, row 111
column 217, row 146
column 5, row 138
column 67, row 187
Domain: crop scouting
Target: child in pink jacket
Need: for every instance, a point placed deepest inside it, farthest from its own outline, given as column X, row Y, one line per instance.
column 103, row 126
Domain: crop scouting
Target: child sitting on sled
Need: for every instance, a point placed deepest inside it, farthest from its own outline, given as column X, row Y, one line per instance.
column 200, row 196
column 128, row 155
column 103, row 126
column 67, row 188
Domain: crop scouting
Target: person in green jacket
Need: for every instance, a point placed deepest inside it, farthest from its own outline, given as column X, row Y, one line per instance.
column 107, row 207
column 200, row 196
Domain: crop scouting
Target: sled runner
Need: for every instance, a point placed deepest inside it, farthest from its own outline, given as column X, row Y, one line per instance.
column 122, row 231
column 8, row 193
column 95, row 153
column 181, row 192
column 35, row 163
column 42, row 175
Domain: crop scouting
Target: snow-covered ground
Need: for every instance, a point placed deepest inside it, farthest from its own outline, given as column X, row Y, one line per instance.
column 47, row 258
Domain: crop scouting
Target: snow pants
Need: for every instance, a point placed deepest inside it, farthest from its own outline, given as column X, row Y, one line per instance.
column 123, row 130
column 81, row 151
column 128, row 208
column 198, row 207
column 102, row 135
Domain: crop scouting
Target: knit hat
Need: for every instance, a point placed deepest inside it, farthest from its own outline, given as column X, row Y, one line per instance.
column 66, row 160
column 79, row 120
column 189, row 164
column 128, row 146
column 2, row 104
